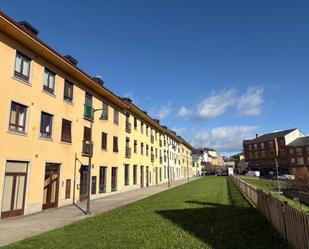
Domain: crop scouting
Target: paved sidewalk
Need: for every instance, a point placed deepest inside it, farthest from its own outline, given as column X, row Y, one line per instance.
column 22, row 227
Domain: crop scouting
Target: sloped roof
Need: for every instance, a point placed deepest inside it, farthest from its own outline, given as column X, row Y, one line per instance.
column 301, row 141
column 269, row 136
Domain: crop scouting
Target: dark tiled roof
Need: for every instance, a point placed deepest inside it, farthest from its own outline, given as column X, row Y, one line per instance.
column 269, row 136
column 301, row 141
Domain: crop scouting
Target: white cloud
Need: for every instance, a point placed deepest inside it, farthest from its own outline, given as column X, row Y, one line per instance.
column 216, row 104
column 250, row 103
column 225, row 138
column 183, row 112
column 162, row 112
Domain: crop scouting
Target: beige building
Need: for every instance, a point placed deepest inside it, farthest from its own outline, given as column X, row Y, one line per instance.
column 47, row 106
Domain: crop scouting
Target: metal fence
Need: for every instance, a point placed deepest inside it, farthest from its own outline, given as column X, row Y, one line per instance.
column 291, row 224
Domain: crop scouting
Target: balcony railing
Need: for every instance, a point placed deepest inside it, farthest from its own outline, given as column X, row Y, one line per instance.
column 128, row 152
column 152, row 157
column 152, row 139
column 86, row 148
column 88, row 111
column 128, row 126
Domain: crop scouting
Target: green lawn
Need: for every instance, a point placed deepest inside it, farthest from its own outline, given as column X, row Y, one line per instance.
column 207, row 213
column 267, row 186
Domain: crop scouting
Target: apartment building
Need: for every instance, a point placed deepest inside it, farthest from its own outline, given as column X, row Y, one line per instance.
column 262, row 152
column 47, row 111
column 299, row 152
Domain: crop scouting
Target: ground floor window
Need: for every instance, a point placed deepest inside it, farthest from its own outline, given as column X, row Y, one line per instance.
column 102, row 179
column 114, row 179
column 134, row 174
column 14, row 189
column 126, row 174
column 93, row 185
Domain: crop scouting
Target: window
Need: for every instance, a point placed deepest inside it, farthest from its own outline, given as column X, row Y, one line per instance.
column 49, row 81
column 114, row 179
column 22, row 66
column 255, row 146
column 291, row 151
column 18, row 117
column 142, row 127
column 135, row 146
column 116, row 117
column 115, row 144
column 299, row 151
column 142, row 148
column 66, row 135
column 46, row 125
column 271, row 144
column 308, row 160
column 105, row 111
column 68, row 91
column 147, row 130
column 67, row 188
column 156, row 153
column 126, row 175
column 250, row 155
column 134, row 174
column 135, row 123
column 104, row 141
column 292, row 160
column 93, row 185
column 255, row 154
column 250, row 146
column 86, row 141
column 262, row 146
column 147, row 149
column 263, row 154
column 88, row 106
column 307, row 149
column 300, row 160
column 102, row 179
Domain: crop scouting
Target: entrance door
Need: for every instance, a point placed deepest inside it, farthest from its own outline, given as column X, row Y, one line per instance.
column 147, row 176
column 142, row 176
column 51, row 185
column 83, row 185
column 14, row 189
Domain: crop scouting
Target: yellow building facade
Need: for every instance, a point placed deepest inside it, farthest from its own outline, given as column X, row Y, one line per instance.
column 47, row 106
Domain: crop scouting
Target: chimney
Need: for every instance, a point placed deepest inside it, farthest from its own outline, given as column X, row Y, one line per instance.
column 27, row 27
column 164, row 127
column 127, row 100
column 71, row 60
column 157, row 121
column 256, row 135
column 98, row 80
column 145, row 112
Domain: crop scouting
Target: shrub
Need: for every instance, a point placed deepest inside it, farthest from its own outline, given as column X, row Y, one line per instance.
column 301, row 181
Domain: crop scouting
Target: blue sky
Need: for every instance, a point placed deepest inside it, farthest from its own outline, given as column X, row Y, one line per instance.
column 215, row 71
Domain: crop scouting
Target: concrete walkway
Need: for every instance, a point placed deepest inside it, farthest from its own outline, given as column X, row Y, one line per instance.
column 18, row 228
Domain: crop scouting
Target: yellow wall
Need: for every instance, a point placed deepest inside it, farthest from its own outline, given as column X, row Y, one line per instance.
column 38, row 151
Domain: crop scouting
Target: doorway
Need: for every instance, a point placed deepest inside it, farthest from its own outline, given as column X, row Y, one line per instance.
column 83, row 185
column 51, row 185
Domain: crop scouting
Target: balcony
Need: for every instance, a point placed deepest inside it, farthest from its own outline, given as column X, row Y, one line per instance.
column 128, row 126
column 128, row 152
column 88, row 112
column 86, row 151
column 152, row 158
column 152, row 139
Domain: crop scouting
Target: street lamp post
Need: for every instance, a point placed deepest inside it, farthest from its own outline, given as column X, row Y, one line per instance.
column 168, row 163
column 88, row 212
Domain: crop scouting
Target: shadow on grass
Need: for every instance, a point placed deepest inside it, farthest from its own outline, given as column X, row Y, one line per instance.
column 219, row 226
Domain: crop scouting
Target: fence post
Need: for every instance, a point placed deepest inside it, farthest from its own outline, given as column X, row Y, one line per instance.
column 283, row 211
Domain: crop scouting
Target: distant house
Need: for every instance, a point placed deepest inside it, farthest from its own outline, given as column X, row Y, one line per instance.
column 299, row 152
column 197, row 159
column 261, row 152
